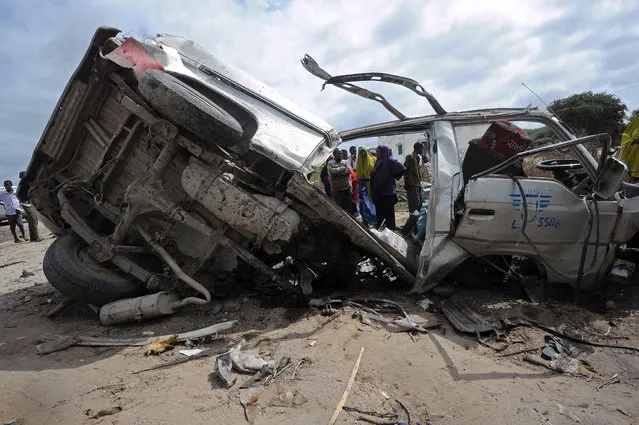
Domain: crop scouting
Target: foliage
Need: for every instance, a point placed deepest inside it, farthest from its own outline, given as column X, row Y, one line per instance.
column 592, row 113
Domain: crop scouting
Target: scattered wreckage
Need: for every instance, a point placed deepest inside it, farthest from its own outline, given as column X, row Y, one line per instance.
column 163, row 170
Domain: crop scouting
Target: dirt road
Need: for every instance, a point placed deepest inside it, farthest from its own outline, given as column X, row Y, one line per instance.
column 441, row 377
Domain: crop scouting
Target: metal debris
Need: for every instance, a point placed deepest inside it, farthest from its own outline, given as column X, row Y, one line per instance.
column 465, row 319
column 88, row 341
column 191, row 352
column 222, row 369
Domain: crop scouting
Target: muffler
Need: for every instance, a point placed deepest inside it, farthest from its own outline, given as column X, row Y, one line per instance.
column 137, row 309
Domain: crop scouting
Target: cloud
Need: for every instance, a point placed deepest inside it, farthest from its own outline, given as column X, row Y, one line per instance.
column 469, row 54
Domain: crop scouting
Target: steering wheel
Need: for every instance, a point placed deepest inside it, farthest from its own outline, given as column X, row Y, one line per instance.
column 559, row 165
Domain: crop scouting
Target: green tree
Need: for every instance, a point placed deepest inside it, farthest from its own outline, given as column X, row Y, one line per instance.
column 592, row 113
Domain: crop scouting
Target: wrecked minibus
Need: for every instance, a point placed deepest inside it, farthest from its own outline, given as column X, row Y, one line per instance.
column 166, row 173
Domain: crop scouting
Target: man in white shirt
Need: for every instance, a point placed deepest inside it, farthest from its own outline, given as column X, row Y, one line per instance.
column 12, row 209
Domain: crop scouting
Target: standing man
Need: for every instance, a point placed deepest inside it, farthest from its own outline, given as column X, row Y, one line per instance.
column 413, row 178
column 29, row 211
column 352, row 161
column 340, row 174
column 13, row 209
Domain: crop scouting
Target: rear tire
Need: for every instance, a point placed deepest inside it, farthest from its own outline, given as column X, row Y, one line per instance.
column 189, row 109
column 69, row 268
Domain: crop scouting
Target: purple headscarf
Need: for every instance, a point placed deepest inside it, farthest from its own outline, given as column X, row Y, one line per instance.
column 386, row 171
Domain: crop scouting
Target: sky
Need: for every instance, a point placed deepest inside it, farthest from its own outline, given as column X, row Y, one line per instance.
column 470, row 54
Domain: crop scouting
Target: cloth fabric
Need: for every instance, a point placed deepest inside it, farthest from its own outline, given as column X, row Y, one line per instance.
column 343, row 198
column 413, row 176
column 414, row 195
column 422, row 221
column 32, row 220
column 630, row 150
column 366, row 206
column 10, row 202
column 364, row 168
column 504, row 140
column 354, row 187
column 385, row 172
column 15, row 219
column 385, row 210
column 501, row 140
column 352, row 161
column 325, row 180
column 340, row 175
column 23, row 191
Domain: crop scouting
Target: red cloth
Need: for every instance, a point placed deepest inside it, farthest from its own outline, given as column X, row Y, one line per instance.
column 504, row 139
column 355, row 186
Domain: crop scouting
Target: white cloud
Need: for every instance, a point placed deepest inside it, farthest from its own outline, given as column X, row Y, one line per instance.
column 469, row 54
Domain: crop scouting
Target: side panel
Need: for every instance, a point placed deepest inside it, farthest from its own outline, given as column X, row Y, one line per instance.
column 556, row 222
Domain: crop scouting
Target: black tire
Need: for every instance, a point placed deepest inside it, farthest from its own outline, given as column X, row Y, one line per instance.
column 70, row 270
column 189, row 109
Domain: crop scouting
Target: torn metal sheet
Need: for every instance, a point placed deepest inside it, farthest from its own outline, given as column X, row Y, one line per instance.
column 89, row 341
column 465, row 319
column 222, row 369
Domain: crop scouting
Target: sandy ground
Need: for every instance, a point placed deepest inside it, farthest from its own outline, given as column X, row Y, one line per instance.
column 442, row 377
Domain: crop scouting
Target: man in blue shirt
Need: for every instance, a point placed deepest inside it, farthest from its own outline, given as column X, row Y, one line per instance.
column 13, row 209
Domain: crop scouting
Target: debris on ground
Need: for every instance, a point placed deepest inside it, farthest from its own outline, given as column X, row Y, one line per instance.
column 88, row 341
column 222, row 369
column 467, row 320
column 246, row 362
column 26, row 274
column 563, row 410
column 56, row 344
column 425, row 303
column 614, row 379
column 15, row 421
column 102, row 412
column 160, row 345
column 623, row 412
column 191, row 352
column 249, row 399
column 347, row 391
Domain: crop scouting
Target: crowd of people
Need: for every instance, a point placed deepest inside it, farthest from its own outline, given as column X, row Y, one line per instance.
column 16, row 206
column 363, row 182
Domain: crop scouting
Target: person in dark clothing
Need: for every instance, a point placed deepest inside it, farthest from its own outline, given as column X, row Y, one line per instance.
column 386, row 171
column 324, row 177
column 341, row 189
column 29, row 211
column 413, row 179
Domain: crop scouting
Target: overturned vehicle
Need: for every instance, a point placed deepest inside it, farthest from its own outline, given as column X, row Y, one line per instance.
column 166, row 173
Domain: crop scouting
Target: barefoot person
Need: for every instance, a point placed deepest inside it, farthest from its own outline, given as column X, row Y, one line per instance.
column 13, row 209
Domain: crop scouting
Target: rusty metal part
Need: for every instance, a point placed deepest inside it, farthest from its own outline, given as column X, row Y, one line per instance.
column 173, row 265
column 100, row 247
column 342, row 81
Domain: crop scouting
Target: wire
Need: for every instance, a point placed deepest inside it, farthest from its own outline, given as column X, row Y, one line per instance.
column 584, row 251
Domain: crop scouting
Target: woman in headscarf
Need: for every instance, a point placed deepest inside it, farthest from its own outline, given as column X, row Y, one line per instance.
column 363, row 169
column 386, row 171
